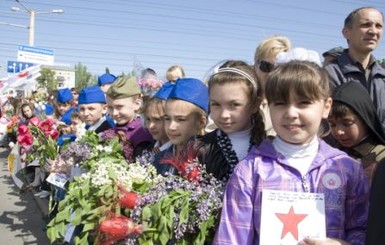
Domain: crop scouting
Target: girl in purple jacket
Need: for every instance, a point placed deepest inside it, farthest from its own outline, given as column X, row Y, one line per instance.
column 297, row 160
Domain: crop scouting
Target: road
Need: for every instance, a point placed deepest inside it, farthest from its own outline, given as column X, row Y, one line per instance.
column 21, row 216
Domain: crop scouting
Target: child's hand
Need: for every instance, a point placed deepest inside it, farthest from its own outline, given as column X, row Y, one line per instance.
column 326, row 241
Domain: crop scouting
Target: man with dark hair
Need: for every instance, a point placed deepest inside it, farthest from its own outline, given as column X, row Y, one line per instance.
column 363, row 29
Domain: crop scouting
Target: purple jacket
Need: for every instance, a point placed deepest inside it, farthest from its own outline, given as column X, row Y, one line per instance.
column 346, row 202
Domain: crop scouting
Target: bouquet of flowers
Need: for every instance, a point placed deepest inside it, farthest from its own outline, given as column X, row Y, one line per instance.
column 117, row 203
column 38, row 140
column 93, row 198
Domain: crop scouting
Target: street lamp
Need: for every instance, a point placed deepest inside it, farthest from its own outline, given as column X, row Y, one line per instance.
column 32, row 14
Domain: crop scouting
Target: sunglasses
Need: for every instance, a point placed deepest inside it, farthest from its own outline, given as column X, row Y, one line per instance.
column 265, row 66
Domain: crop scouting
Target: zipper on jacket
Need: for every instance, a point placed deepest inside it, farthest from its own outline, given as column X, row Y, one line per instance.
column 305, row 184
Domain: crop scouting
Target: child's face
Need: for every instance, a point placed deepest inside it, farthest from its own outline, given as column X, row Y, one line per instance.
column 231, row 113
column 348, row 130
column 298, row 121
column 75, row 123
column 91, row 113
column 123, row 110
column 63, row 107
column 181, row 121
column 155, row 122
column 27, row 112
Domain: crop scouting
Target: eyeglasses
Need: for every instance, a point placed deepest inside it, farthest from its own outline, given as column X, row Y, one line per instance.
column 265, row 66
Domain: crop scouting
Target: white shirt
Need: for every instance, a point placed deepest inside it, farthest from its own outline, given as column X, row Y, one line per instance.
column 299, row 157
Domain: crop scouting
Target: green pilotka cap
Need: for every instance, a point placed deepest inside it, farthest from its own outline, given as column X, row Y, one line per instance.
column 123, row 87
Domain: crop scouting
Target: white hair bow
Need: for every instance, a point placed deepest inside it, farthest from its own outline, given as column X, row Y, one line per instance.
column 298, row 54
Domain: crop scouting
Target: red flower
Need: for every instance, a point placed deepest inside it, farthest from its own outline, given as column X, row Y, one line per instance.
column 23, row 129
column 119, row 227
column 25, row 139
column 53, row 133
column 34, row 121
column 46, row 125
column 128, row 199
column 186, row 162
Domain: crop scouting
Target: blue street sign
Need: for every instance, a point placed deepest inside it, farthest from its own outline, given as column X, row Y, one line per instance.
column 17, row 66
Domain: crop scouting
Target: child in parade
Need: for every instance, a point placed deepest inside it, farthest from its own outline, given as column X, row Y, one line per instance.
column 175, row 72
column 185, row 117
column 356, row 127
column 92, row 108
column 124, row 101
column 105, row 81
column 237, row 116
column 296, row 160
column 26, row 112
column 154, row 117
column 64, row 103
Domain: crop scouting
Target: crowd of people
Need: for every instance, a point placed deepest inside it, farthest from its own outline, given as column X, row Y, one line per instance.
column 288, row 123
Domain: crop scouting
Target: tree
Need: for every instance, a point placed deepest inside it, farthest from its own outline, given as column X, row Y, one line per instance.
column 83, row 78
column 47, row 80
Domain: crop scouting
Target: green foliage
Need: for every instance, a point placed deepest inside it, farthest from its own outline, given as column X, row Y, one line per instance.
column 82, row 76
column 47, row 80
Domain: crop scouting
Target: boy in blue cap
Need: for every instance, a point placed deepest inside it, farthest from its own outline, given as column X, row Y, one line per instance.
column 64, row 103
column 124, row 101
column 105, row 81
column 92, row 107
column 185, row 117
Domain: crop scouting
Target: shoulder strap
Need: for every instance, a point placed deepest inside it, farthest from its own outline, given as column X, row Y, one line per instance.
column 379, row 150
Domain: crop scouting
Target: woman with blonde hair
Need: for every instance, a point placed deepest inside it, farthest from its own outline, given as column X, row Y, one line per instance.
column 264, row 62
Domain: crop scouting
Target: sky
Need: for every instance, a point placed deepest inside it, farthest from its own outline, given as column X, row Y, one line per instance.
column 159, row 33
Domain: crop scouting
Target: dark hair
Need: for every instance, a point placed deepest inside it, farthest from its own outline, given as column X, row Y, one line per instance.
column 303, row 79
column 22, row 106
column 348, row 23
column 254, row 91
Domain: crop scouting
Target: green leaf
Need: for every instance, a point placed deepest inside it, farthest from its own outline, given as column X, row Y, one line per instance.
column 146, row 213
column 88, row 227
column 164, row 235
column 184, row 215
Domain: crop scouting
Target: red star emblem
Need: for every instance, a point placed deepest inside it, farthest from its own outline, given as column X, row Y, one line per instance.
column 290, row 222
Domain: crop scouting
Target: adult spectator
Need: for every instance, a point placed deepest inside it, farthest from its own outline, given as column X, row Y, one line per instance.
column 332, row 54
column 264, row 63
column 363, row 29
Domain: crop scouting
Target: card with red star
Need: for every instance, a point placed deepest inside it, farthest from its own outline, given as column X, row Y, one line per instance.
column 288, row 217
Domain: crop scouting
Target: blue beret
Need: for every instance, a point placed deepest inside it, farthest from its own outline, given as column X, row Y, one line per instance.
column 191, row 90
column 106, row 78
column 164, row 91
column 66, row 117
column 49, row 109
column 91, row 95
column 64, row 95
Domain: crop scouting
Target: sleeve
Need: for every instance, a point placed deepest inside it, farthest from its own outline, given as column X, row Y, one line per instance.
column 357, row 205
column 236, row 222
column 376, row 221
